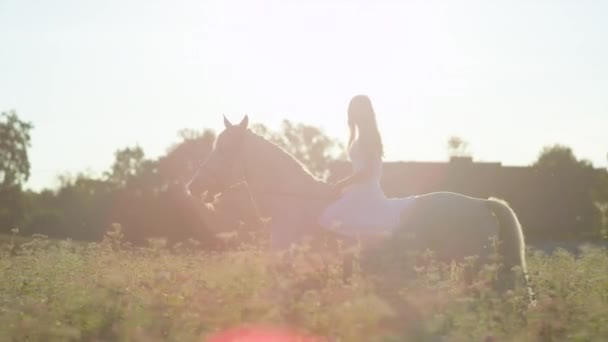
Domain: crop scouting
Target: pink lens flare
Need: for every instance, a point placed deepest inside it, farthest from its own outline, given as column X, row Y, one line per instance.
column 262, row 334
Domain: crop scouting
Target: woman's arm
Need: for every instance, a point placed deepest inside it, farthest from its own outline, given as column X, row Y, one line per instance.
column 359, row 177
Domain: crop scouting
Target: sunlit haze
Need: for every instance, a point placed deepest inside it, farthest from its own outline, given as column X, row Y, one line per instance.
column 508, row 77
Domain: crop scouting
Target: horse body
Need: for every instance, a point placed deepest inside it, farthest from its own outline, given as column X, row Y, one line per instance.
column 453, row 225
column 456, row 226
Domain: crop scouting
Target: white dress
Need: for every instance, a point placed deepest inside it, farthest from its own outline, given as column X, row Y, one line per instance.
column 363, row 208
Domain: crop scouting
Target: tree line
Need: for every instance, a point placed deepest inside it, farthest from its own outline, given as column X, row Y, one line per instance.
column 144, row 194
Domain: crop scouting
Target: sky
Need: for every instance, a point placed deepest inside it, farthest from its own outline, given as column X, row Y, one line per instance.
column 509, row 77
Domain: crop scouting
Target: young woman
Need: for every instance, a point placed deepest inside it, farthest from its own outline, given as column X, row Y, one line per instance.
column 362, row 207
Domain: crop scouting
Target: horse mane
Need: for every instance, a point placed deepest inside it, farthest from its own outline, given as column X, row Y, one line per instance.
column 273, row 154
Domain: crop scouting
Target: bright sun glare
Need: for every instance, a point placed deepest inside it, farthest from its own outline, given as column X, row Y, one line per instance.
column 507, row 78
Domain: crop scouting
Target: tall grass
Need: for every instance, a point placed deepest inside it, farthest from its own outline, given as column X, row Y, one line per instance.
column 110, row 291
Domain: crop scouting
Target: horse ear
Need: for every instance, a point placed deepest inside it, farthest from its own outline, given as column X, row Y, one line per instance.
column 227, row 123
column 245, row 122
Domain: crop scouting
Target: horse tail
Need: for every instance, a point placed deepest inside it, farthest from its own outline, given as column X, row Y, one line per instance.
column 512, row 244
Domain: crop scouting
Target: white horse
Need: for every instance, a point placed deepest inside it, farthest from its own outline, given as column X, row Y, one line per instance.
column 451, row 224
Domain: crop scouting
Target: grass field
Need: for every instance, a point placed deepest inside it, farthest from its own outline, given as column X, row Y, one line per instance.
column 109, row 291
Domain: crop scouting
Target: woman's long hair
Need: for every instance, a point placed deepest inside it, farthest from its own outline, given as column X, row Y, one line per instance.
column 362, row 120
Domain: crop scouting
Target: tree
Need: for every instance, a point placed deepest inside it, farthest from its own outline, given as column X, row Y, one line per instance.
column 183, row 159
column 149, row 200
column 559, row 158
column 14, row 142
column 84, row 203
column 309, row 144
column 14, row 168
column 574, row 192
column 128, row 162
column 458, row 147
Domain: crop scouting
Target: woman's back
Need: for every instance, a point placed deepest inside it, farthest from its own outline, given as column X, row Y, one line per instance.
column 360, row 160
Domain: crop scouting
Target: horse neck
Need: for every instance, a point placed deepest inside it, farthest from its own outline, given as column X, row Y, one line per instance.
column 271, row 169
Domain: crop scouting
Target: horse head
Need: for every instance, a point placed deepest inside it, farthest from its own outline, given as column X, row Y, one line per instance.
column 223, row 166
column 241, row 155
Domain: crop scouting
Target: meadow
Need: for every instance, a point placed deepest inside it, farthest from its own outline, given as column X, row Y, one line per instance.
column 60, row 290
